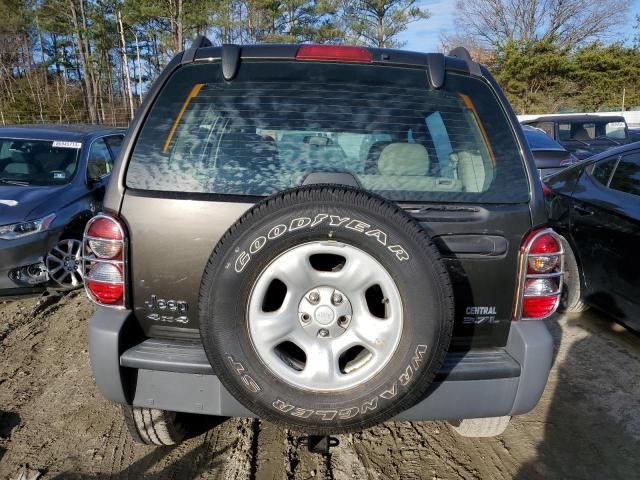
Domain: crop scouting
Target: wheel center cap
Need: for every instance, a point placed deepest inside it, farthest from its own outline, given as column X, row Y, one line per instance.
column 325, row 312
column 324, row 315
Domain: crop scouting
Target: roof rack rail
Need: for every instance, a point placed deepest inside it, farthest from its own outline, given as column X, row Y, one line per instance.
column 463, row 54
column 199, row 42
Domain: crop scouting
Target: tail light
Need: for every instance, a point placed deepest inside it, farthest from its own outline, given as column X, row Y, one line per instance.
column 541, row 268
column 336, row 53
column 103, row 259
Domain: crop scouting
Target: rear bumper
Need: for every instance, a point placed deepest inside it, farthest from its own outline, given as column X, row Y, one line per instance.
column 175, row 375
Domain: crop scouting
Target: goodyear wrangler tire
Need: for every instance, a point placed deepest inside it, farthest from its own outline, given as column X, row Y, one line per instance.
column 326, row 309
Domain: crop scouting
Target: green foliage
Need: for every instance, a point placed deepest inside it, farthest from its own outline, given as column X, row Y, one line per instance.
column 541, row 77
column 377, row 23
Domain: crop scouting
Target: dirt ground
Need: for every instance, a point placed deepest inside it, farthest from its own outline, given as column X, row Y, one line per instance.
column 53, row 420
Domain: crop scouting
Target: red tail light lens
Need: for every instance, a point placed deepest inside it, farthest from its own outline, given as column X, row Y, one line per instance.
column 105, row 238
column 541, row 267
column 336, row 53
column 539, row 307
column 545, row 243
column 106, row 293
column 103, row 261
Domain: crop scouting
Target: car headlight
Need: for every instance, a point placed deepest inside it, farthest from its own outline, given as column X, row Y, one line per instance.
column 22, row 229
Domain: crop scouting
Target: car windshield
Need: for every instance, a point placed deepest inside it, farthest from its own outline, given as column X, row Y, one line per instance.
column 39, row 162
column 613, row 131
column 274, row 124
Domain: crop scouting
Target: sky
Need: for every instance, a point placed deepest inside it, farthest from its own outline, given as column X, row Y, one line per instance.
column 424, row 35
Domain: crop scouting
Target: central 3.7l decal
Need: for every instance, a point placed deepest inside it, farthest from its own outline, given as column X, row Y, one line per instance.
column 321, row 218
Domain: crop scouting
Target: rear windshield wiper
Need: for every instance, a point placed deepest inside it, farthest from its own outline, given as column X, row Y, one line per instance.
column 604, row 137
column 9, row 181
column 580, row 141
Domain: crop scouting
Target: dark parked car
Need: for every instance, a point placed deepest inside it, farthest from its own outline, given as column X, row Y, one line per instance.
column 634, row 134
column 596, row 206
column 326, row 237
column 549, row 155
column 584, row 135
column 52, row 180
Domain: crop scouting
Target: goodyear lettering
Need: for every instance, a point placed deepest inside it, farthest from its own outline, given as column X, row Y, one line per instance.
column 257, row 245
column 357, row 225
column 336, row 221
column 276, row 231
column 244, row 256
column 379, row 235
column 298, row 223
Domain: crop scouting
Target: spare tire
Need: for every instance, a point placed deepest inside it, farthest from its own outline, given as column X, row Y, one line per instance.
column 326, row 309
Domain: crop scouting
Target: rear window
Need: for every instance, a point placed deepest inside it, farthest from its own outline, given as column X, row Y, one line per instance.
column 541, row 141
column 277, row 122
column 589, row 131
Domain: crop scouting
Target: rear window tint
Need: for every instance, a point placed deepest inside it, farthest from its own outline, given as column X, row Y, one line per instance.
column 541, row 141
column 277, row 122
column 601, row 170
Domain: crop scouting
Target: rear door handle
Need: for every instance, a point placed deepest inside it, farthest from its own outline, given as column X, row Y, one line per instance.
column 583, row 210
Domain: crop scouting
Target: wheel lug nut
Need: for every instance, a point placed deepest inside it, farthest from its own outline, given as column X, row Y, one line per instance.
column 323, row 332
column 343, row 321
column 336, row 298
column 306, row 317
column 314, row 297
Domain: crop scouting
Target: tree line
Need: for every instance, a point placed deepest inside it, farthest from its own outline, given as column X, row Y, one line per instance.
column 93, row 60
column 555, row 55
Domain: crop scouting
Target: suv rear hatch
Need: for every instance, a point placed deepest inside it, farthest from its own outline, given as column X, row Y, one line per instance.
column 210, row 147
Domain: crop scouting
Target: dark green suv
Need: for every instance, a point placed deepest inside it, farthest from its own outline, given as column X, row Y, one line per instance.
column 326, row 237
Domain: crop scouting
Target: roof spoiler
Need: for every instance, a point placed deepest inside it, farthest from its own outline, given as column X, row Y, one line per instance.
column 199, row 42
column 463, row 54
column 230, row 56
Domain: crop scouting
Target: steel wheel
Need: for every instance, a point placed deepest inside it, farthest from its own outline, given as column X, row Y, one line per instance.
column 63, row 263
column 325, row 316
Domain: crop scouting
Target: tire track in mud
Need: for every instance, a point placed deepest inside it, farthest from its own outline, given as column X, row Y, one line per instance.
column 283, row 454
column 222, row 452
column 67, row 430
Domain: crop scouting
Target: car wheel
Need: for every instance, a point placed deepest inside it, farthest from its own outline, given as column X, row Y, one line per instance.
column 480, row 427
column 326, row 309
column 570, row 299
column 63, row 264
column 150, row 426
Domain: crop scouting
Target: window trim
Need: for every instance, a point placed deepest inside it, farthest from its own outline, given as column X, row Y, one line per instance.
column 613, row 172
column 89, row 147
column 592, row 167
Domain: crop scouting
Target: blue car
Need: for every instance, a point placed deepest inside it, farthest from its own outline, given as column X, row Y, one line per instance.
column 52, row 180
